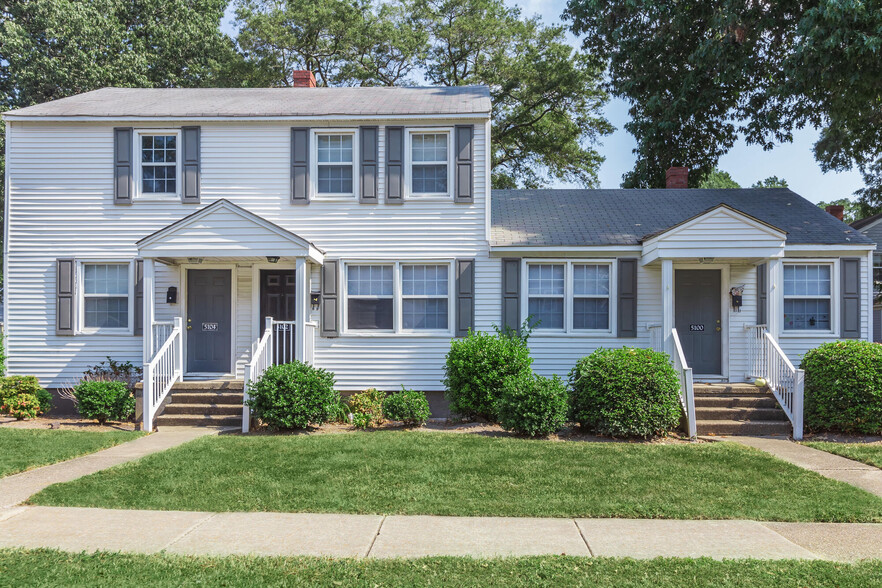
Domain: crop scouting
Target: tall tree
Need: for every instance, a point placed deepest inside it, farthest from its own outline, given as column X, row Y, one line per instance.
column 851, row 209
column 718, row 179
column 771, row 182
column 701, row 73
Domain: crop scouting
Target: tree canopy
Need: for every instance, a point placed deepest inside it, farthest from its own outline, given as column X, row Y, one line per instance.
column 851, row 209
column 702, row 73
column 718, row 179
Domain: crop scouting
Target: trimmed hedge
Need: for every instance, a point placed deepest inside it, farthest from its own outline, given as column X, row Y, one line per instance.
column 294, row 395
column 625, row 392
column 104, row 401
column 408, row 406
column 476, row 368
column 843, row 387
column 532, row 405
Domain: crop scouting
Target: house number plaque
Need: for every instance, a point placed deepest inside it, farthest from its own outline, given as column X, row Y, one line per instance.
column 696, row 327
column 209, row 326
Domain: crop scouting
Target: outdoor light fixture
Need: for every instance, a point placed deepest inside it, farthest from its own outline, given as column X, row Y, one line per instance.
column 194, row 260
column 272, row 258
column 705, row 260
column 314, row 300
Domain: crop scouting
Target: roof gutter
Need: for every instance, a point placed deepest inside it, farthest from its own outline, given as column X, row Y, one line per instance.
column 12, row 117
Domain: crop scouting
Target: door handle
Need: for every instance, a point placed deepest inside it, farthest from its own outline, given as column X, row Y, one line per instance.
column 718, row 329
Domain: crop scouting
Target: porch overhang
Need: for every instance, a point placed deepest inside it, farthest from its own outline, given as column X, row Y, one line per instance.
column 223, row 230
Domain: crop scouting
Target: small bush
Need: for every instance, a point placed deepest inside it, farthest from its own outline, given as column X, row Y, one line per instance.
column 44, row 397
column 104, row 401
column 843, row 387
column 114, row 371
column 533, row 405
column 625, row 393
column 476, row 367
column 21, row 406
column 367, row 408
column 408, row 406
column 294, row 395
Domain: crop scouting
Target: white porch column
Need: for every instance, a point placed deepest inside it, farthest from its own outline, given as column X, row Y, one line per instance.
column 667, row 270
column 301, row 303
column 149, row 307
column 775, row 297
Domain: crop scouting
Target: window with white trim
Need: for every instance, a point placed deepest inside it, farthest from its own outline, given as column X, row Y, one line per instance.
column 571, row 296
column 430, row 163
column 808, row 297
column 399, row 297
column 158, row 154
column 335, row 163
column 105, row 294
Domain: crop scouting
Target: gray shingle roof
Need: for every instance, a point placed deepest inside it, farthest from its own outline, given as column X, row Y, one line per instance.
column 266, row 102
column 624, row 217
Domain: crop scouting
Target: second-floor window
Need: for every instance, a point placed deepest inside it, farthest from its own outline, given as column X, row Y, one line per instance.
column 430, row 163
column 158, row 162
column 334, row 162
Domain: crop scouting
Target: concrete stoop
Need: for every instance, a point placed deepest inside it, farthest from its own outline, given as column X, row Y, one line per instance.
column 212, row 403
column 738, row 409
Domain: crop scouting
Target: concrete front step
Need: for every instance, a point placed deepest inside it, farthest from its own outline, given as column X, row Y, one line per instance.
column 732, row 427
column 177, row 408
column 206, row 397
column 729, row 401
column 728, row 390
column 739, row 414
column 198, row 420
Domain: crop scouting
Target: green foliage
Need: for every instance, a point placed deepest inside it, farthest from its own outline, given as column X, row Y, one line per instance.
column 114, row 371
column 476, row 368
column 2, row 338
column 294, row 395
column 546, row 98
column 851, row 210
column 15, row 385
column 843, row 387
column 408, row 406
column 44, row 397
column 21, row 406
column 532, row 405
column 702, row 73
column 367, row 408
column 718, row 179
column 340, row 412
column 625, row 393
column 771, row 182
column 104, row 401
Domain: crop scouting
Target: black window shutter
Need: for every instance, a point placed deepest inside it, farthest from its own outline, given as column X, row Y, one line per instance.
column 139, row 297
column 123, row 164
column 762, row 294
column 191, row 177
column 465, row 296
column 65, row 296
column 330, row 293
column 511, row 293
column 299, row 165
column 464, row 164
column 395, row 165
column 627, row 297
column 851, row 298
column 369, row 143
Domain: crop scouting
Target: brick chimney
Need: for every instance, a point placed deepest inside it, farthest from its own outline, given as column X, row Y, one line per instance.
column 303, row 78
column 677, row 177
column 837, row 210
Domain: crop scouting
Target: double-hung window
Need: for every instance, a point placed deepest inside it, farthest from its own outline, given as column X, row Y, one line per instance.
column 429, row 163
column 424, row 297
column 105, row 296
column 335, row 156
column 370, row 296
column 808, row 297
column 570, row 296
column 158, row 158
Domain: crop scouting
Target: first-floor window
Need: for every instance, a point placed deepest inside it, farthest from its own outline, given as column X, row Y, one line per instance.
column 570, row 296
column 369, row 297
column 807, row 297
column 590, row 296
column 106, row 295
column 424, row 296
column 545, row 286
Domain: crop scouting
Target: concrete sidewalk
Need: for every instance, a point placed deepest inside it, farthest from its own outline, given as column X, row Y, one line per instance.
column 832, row 466
column 17, row 488
column 374, row 536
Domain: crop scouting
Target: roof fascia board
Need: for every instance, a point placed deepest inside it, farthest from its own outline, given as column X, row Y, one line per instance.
column 372, row 116
column 499, row 250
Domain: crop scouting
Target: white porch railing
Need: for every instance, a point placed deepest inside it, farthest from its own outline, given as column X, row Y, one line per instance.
column 678, row 359
column 261, row 359
column 766, row 360
column 164, row 369
column 284, row 340
column 161, row 332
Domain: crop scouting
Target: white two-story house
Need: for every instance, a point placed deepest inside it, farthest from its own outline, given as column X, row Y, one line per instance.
column 206, row 233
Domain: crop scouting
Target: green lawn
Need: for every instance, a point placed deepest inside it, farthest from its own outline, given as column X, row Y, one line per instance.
column 869, row 454
column 53, row 568
column 398, row 472
column 23, row 449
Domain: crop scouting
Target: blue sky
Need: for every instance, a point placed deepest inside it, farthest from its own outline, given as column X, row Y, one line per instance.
column 746, row 163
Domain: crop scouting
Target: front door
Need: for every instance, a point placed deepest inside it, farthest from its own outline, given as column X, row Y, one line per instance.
column 698, row 319
column 208, row 321
column 277, row 301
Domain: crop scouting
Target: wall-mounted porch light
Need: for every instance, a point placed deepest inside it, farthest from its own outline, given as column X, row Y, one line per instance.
column 194, row 260
column 315, row 299
column 272, row 258
column 705, row 260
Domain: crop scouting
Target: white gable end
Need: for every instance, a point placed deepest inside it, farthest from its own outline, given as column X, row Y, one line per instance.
column 719, row 233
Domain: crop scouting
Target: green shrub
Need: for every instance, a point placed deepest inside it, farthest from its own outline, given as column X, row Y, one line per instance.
column 625, row 393
column 408, row 406
column 21, row 406
column 2, row 355
column 294, row 395
column 16, row 385
column 104, row 401
column 476, row 368
column 367, row 408
column 533, row 405
column 44, row 397
column 843, row 387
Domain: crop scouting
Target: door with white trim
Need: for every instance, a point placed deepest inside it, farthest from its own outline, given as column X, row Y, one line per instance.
column 698, row 318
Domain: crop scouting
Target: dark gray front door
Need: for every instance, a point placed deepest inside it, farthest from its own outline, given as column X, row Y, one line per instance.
column 277, row 300
column 698, row 318
column 208, row 321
